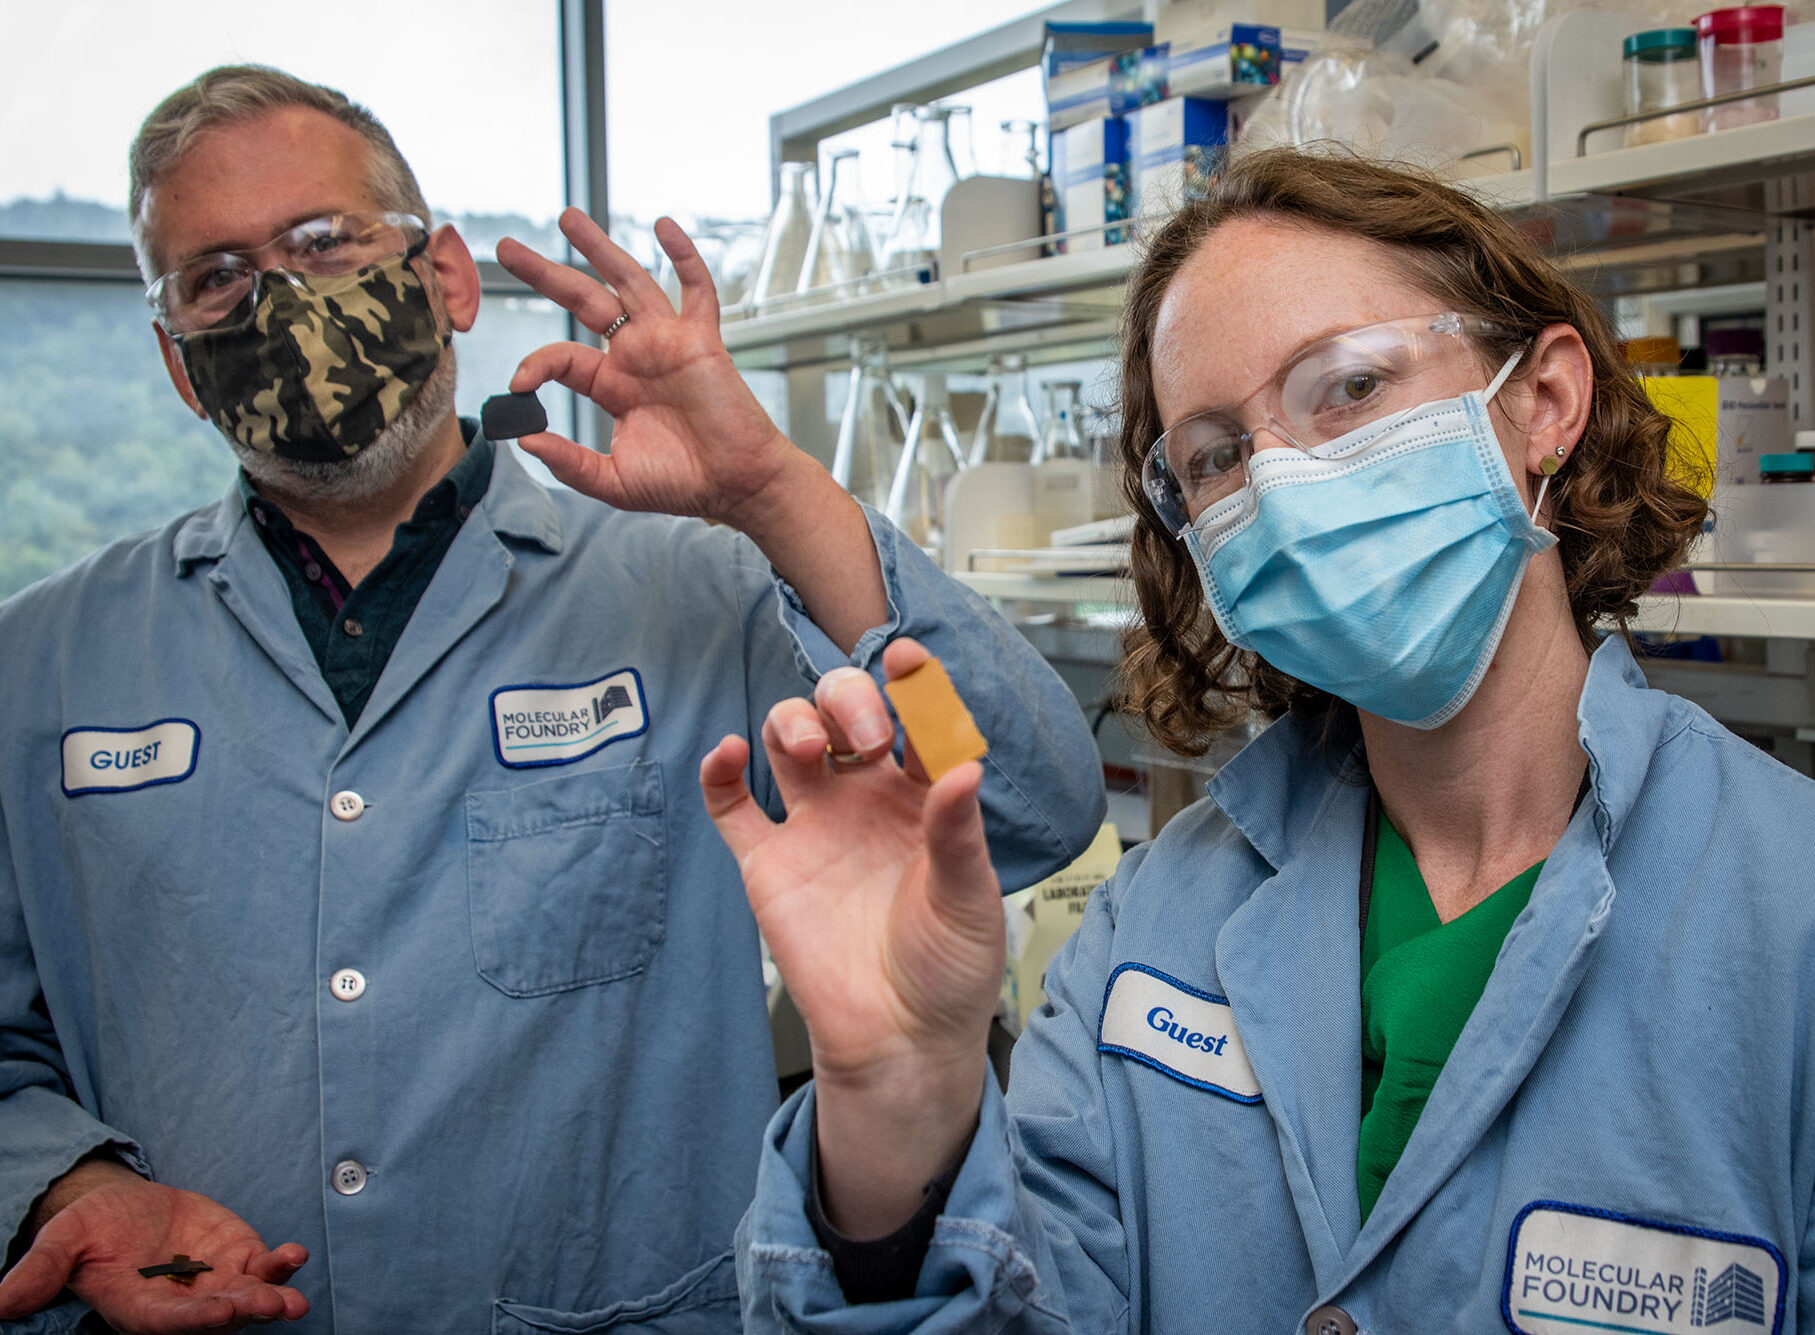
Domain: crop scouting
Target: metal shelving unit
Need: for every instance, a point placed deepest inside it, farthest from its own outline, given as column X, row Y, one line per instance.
column 1736, row 206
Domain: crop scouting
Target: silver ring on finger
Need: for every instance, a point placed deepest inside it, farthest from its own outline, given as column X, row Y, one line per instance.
column 616, row 325
column 847, row 760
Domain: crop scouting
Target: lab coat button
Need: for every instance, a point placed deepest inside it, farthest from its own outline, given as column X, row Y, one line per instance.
column 1329, row 1320
column 347, row 985
column 347, row 805
column 350, row 1179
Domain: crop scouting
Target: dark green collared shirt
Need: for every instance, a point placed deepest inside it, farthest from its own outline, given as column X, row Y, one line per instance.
column 353, row 630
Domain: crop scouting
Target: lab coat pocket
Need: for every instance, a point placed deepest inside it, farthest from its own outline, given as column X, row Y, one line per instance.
column 567, row 879
column 701, row 1302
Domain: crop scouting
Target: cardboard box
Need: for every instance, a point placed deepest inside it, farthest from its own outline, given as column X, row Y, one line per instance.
column 1220, row 64
column 1722, row 425
column 1174, row 148
column 1090, row 181
column 1233, row 61
column 1173, row 19
column 1076, row 64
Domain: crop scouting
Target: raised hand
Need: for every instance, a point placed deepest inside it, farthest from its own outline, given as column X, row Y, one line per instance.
column 689, row 438
column 878, row 901
column 96, row 1245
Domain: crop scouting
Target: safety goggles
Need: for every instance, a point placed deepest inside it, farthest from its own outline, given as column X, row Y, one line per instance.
column 221, row 290
column 1337, row 385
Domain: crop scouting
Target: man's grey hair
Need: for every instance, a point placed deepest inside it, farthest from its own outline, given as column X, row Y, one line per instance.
column 233, row 93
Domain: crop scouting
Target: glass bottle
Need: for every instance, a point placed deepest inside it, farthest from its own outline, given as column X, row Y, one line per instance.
column 838, row 252
column 1062, row 438
column 930, row 459
column 872, row 428
column 1021, row 149
column 1062, row 465
column 785, row 241
column 962, row 141
column 911, row 253
column 1007, row 430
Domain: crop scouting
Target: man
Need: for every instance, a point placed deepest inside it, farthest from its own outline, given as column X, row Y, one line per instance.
column 356, row 890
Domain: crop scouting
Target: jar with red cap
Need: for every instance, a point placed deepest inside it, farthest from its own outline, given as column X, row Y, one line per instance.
column 1741, row 48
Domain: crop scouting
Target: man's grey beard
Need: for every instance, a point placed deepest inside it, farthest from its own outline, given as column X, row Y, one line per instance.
column 375, row 469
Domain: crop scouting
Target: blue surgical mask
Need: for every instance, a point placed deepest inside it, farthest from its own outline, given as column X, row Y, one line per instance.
column 1380, row 566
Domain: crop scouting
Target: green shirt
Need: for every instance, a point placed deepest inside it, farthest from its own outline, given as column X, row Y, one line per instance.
column 353, row 630
column 1420, row 980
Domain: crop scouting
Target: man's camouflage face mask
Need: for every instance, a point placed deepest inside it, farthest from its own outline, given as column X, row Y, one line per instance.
column 323, row 365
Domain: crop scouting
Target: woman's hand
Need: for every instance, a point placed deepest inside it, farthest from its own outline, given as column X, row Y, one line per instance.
column 877, row 898
column 689, row 438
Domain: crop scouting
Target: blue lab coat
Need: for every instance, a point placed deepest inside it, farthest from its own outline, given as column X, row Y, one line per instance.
column 482, row 958
column 1622, row 1139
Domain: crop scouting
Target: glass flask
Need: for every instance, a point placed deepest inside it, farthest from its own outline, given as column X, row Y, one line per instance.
column 930, row 459
column 839, row 254
column 904, row 133
column 740, row 252
column 785, row 241
column 1007, row 430
column 872, row 428
column 911, row 253
column 963, row 142
column 1021, row 149
column 1062, row 438
column 1062, row 465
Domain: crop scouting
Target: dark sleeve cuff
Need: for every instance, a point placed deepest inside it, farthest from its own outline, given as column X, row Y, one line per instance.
column 887, row 1268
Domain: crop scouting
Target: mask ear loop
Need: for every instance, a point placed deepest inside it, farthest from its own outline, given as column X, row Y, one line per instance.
column 1549, row 469
column 1549, row 466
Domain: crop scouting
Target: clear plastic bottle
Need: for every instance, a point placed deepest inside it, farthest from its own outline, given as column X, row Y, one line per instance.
column 1662, row 71
column 1741, row 48
column 785, row 241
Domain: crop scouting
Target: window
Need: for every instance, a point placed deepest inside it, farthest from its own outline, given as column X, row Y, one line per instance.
column 687, row 123
column 470, row 89
column 96, row 442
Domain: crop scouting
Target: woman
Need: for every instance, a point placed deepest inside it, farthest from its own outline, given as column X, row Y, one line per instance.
column 1475, row 995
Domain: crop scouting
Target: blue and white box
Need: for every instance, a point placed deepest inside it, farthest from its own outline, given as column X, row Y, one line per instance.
column 1174, row 148
column 1234, row 61
column 1090, row 181
column 1077, row 65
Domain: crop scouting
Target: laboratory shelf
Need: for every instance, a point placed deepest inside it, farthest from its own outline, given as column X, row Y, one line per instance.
column 1711, row 614
column 1767, row 168
column 1666, row 614
column 1049, row 305
column 1016, row 585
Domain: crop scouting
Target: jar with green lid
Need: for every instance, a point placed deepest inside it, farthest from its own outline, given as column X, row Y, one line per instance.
column 1797, row 467
column 1662, row 71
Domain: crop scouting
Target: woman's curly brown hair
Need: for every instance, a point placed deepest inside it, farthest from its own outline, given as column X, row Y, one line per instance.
column 1621, row 514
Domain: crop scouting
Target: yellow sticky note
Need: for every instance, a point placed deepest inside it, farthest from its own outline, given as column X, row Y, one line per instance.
column 938, row 725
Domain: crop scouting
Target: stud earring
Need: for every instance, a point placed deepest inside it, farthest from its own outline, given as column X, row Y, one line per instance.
column 1548, row 468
